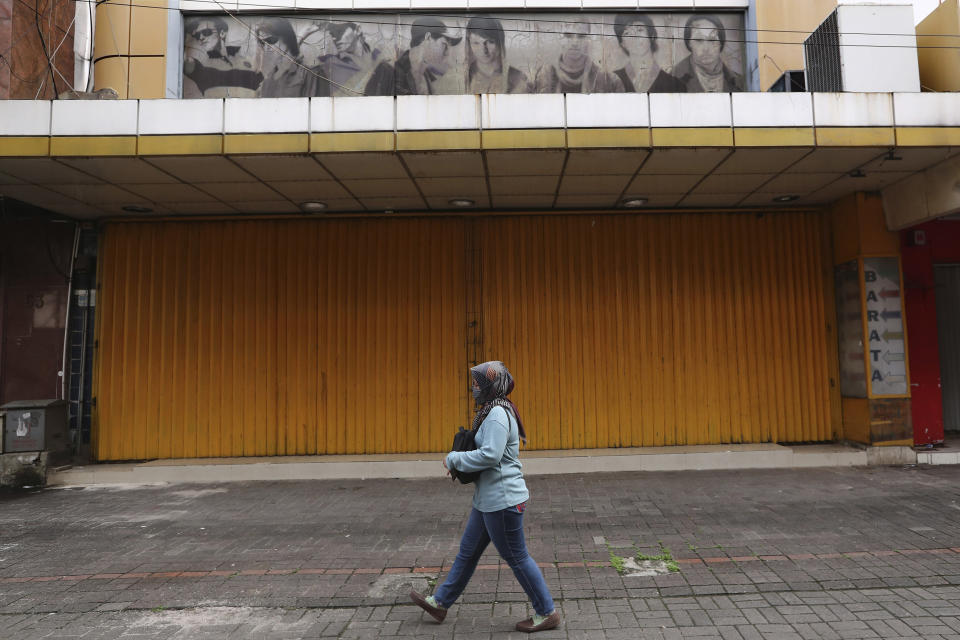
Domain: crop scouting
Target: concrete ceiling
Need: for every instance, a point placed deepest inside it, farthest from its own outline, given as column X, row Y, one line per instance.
column 98, row 187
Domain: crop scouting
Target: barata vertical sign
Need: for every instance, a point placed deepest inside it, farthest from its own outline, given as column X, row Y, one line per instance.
column 853, row 378
column 885, row 333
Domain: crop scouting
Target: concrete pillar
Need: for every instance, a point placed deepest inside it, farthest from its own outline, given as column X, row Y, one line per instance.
column 874, row 376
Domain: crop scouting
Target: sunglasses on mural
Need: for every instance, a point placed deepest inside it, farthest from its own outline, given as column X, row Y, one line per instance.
column 270, row 39
column 203, row 33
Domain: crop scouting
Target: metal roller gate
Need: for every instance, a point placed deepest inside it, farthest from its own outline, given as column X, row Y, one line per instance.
column 247, row 338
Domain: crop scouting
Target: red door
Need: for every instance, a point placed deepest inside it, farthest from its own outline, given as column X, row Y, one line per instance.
column 923, row 246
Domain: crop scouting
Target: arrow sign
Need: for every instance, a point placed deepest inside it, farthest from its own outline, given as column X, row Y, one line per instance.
column 892, row 357
column 890, row 293
column 893, row 335
column 887, row 315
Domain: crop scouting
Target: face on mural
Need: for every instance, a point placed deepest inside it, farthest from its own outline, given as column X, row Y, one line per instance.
column 207, row 35
column 277, row 57
column 636, row 41
column 485, row 50
column 575, row 43
column 705, row 44
column 436, row 53
column 347, row 41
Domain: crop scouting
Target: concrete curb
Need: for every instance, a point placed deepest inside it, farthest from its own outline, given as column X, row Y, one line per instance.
column 695, row 458
column 938, row 457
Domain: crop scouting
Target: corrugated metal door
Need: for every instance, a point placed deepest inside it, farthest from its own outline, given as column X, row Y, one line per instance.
column 661, row 329
column 295, row 337
column 281, row 337
column 947, row 280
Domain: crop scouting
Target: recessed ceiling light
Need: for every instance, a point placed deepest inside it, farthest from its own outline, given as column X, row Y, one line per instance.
column 633, row 203
column 786, row 198
column 312, row 206
column 135, row 208
column 462, row 202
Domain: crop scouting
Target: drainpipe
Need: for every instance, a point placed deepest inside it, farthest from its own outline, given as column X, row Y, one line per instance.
column 83, row 46
column 64, row 370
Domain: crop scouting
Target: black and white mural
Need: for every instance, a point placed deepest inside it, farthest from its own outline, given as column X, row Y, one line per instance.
column 385, row 55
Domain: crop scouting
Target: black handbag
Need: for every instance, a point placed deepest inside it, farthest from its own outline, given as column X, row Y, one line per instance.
column 463, row 440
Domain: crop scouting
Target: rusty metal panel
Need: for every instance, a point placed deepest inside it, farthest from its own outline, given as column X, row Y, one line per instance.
column 277, row 338
column 660, row 330
column 34, row 270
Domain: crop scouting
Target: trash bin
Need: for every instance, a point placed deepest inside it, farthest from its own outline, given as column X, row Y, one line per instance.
column 35, row 425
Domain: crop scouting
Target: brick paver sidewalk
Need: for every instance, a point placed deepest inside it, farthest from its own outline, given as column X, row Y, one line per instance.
column 815, row 553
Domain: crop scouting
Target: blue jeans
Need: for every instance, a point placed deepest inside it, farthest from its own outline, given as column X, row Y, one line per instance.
column 505, row 528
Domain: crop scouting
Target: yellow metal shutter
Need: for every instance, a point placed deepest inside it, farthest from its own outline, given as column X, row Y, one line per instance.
column 350, row 336
column 661, row 329
column 255, row 338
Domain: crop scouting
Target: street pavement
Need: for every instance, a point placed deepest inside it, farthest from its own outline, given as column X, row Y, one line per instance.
column 774, row 554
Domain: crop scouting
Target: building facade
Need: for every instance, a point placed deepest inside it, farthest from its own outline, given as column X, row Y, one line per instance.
column 310, row 225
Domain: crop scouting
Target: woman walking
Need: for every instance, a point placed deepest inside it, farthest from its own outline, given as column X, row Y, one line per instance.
column 499, row 499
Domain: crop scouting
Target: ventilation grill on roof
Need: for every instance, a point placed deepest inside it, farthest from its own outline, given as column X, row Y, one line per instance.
column 822, row 53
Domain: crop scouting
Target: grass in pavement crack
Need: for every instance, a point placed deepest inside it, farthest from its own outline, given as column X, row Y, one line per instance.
column 665, row 556
column 616, row 561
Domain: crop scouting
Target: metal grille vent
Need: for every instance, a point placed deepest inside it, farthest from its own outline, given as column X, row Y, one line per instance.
column 822, row 53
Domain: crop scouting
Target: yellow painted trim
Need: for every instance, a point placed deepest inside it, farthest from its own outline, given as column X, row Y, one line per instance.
column 437, row 140
column 25, row 146
column 594, row 138
column 93, row 146
column 266, row 143
column 524, row 139
column 855, row 136
column 928, row 136
column 693, row 137
column 180, row 145
column 359, row 141
column 774, row 137
column 894, row 443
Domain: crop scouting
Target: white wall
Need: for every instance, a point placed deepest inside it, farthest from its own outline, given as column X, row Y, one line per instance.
column 873, row 55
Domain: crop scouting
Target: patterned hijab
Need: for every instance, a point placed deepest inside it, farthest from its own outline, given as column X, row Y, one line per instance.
column 494, row 384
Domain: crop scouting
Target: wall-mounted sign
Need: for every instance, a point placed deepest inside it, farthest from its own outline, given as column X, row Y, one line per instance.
column 853, row 376
column 885, row 334
column 378, row 54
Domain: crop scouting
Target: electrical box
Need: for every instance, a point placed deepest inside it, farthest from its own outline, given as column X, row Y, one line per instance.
column 35, row 425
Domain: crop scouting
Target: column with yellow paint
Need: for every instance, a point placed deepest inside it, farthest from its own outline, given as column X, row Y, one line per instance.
column 873, row 371
column 130, row 48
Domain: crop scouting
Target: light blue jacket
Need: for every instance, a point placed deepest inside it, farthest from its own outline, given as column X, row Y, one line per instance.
column 497, row 454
